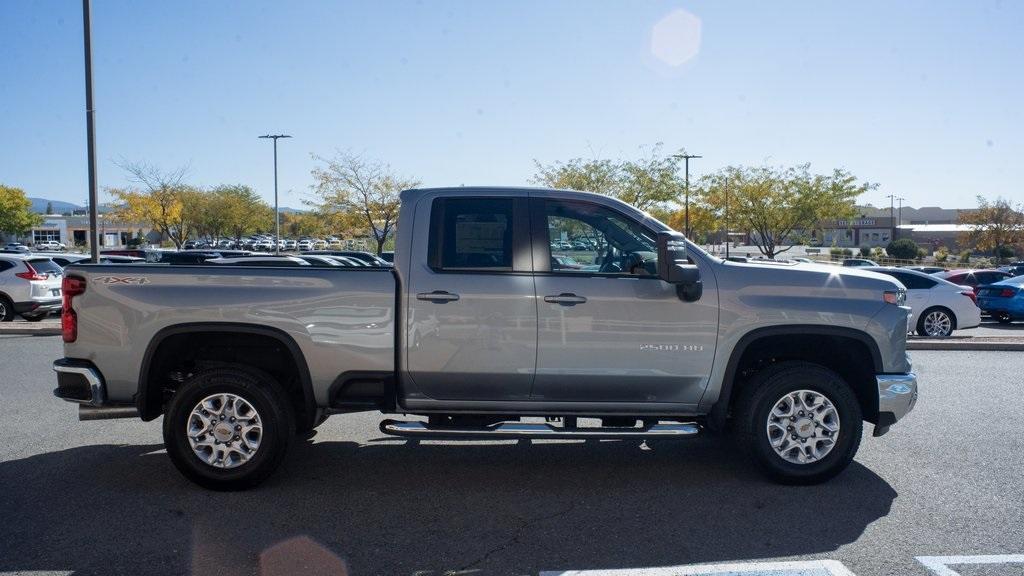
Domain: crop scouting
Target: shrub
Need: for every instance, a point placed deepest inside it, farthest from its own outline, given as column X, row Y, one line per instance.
column 847, row 252
column 904, row 249
column 1005, row 252
column 965, row 257
column 865, row 251
column 835, row 253
column 942, row 254
column 921, row 254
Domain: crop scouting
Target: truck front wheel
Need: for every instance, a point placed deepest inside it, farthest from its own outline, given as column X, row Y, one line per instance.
column 228, row 428
column 800, row 422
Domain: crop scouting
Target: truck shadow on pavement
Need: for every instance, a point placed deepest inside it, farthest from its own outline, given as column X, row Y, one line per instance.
column 392, row 507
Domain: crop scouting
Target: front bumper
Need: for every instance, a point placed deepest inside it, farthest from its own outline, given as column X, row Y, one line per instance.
column 897, row 394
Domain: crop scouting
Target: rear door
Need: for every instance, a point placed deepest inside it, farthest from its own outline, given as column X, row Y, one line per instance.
column 471, row 325
column 609, row 330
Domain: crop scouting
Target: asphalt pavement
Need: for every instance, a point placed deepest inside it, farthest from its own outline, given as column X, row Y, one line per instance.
column 102, row 497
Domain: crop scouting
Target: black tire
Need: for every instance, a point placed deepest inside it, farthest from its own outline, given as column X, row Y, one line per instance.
column 1004, row 318
column 33, row 318
column 6, row 309
column 920, row 321
column 754, row 407
column 258, row 389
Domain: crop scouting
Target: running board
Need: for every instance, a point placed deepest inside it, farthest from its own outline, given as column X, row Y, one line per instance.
column 539, row 431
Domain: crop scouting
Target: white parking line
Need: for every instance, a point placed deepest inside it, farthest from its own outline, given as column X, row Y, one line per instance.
column 804, row 568
column 939, row 565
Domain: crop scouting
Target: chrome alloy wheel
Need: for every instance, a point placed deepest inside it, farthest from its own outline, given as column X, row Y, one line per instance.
column 937, row 323
column 224, row 430
column 803, row 426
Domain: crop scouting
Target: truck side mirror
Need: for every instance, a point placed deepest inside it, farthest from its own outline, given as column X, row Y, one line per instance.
column 674, row 268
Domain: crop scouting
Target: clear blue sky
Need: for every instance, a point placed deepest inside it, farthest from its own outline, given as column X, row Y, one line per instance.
column 923, row 98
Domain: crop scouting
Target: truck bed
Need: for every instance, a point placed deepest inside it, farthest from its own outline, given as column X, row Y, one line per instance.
column 342, row 319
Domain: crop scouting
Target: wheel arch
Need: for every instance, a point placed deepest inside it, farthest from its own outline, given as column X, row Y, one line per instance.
column 766, row 344
column 150, row 404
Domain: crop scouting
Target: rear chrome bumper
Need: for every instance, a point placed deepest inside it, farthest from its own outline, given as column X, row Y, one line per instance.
column 80, row 382
column 897, row 394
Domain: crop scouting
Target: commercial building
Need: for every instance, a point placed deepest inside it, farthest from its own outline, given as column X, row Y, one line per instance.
column 73, row 230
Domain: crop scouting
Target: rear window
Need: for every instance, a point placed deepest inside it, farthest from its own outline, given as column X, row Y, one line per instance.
column 912, row 281
column 46, row 266
column 990, row 277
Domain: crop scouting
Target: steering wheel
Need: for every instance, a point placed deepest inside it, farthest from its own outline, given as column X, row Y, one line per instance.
column 610, row 264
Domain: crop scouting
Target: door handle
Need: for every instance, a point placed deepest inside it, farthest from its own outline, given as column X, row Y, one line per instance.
column 438, row 296
column 565, row 299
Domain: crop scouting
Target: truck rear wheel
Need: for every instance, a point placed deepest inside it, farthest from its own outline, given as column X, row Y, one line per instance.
column 228, row 428
column 800, row 422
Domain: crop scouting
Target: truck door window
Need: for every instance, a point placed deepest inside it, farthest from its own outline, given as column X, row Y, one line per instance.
column 588, row 238
column 471, row 234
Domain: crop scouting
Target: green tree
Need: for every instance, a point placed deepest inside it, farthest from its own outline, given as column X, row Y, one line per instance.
column 161, row 199
column 356, row 192
column 779, row 204
column 994, row 225
column 903, row 249
column 49, row 208
column 16, row 216
column 648, row 183
column 235, row 210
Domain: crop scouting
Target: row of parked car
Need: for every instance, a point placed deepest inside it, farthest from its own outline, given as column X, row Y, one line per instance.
column 30, row 282
column 265, row 243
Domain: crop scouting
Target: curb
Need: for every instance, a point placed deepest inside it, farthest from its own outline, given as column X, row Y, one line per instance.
column 30, row 328
column 1004, row 346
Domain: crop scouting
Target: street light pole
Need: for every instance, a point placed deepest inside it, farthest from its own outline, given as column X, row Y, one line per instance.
column 90, row 136
column 899, row 213
column 726, row 218
column 277, row 212
column 892, row 217
column 686, row 207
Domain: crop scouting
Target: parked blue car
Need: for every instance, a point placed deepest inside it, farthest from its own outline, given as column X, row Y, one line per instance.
column 1003, row 300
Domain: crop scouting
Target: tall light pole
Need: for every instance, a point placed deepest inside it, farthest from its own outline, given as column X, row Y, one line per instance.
column 277, row 211
column 727, row 218
column 90, row 136
column 899, row 213
column 892, row 217
column 686, row 206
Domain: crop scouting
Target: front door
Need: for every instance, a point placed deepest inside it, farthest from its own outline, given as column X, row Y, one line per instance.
column 471, row 321
column 609, row 330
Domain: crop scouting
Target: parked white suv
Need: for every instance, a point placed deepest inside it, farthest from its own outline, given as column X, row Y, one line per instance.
column 29, row 286
column 50, row 245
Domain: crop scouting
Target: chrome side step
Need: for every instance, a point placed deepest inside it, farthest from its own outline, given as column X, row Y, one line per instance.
column 539, row 431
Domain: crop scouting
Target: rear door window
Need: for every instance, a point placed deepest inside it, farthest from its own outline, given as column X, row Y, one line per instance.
column 472, row 234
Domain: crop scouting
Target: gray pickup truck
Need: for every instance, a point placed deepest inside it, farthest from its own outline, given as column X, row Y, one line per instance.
column 509, row 313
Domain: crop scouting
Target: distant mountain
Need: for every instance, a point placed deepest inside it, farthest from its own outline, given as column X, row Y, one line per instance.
column 39, row 206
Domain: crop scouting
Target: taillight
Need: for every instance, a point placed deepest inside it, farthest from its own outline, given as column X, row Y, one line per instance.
column 970, row 294
column 30, row 274
column 1008, row 293
column 70, row 287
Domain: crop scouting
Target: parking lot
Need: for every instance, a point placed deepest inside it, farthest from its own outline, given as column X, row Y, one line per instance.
column 102, row 498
